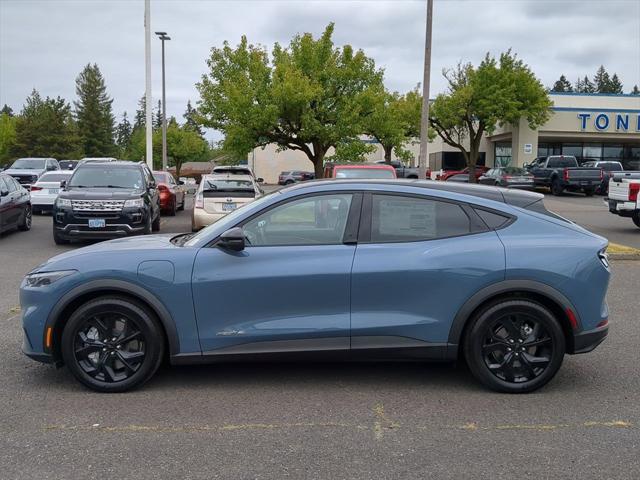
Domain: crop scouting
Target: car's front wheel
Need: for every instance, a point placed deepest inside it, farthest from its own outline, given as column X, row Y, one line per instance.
column 112, row 344
column 514, row 346
column 25, row 221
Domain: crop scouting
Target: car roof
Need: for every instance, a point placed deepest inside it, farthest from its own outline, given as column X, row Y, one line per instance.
column 108, row 163
column 517, row 198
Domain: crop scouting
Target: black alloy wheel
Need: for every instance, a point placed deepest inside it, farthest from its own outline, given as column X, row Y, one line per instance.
column 26, row 220
column 556, row 187
column 515, row 346
column 112, row 344
column 173, row 207
column 636, row 218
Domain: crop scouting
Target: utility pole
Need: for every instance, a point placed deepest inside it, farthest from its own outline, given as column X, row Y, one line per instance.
column 147, row 91
column 163, row 36
column 423, row 159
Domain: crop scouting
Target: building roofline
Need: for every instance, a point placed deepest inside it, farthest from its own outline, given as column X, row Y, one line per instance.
column 583, row 94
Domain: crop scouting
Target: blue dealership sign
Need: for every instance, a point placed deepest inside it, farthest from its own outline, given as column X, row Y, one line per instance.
column 622, row 122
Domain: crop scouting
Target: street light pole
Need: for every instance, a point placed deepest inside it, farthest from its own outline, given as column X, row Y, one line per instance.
column 163, row 36
column 424, row 122
column 147, row 89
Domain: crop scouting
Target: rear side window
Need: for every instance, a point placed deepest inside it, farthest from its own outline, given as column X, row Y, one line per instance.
column 409, row 219
column 492, row 219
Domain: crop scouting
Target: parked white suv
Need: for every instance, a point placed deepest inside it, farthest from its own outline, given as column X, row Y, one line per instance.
column 624, row 195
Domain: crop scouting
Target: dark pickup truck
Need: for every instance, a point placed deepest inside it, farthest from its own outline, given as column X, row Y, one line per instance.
column 401, row 170
column 561, row 172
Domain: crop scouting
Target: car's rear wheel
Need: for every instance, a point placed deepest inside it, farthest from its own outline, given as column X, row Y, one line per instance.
column 589, row 191
column 636, row 218
column 112, row 344
column 155, row 225
column 514, row 346
column 556, row 187
column 184, row 199
column 25, row 221
column 173, row 207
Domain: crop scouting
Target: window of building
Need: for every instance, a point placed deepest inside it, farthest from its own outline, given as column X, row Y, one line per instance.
column 502, row 154
column 612, row 152
column 574, row 149
column 396, row 218
column 591, row 151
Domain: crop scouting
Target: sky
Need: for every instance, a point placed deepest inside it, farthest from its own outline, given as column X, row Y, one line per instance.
column 44, row 44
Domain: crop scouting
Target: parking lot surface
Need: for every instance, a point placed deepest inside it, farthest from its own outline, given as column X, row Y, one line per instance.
column 258, row 421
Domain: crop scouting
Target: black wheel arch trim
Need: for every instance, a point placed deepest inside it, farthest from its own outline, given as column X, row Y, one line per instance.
column 505, row 287
column 128, row 289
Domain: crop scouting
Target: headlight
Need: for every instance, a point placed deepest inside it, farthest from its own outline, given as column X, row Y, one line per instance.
column 136, row 203
column 46, row 278
column 63, row 202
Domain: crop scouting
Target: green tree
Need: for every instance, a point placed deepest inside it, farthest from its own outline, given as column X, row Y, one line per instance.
column 602, row 81
column 184, row 145
column 351, row 151
column 191, row 119
column 45, row 128
column 479, row 99
column 310, row 96
column 140, row 119
column 7, row 135
column 584, row 85
column 93, row 113
column 123, row 135
column 7, row 109
column 615, row 86
column 635, row 90
column 562, row 85
column 157, row 120
column 394, row 121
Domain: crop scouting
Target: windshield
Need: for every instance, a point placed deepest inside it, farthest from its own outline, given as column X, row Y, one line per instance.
column 161, row 177
column 107, row 177
column 230, row 185
column 229, row 220
column 29, row 164
column 364, row 173
column 54, row 177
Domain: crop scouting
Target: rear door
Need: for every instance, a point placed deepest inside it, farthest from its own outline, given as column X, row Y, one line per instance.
column 418, row 260
column 289, row 289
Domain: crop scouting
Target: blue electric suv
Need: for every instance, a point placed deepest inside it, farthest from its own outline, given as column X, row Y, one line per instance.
column 353, row 269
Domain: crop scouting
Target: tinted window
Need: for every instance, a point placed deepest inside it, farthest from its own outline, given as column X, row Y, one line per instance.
column 514, row 171
column 3, row 185
column 9, row 184
column 364, row 173
column 402, row 219
column 562, row 162
column 54, row 177
column 610, row 167
column 29, row 164
column 493, row 220
column 107, row 176
column 227, row 185
column 319, row 220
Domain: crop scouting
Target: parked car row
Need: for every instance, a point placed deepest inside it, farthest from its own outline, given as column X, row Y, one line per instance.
column 15, row 205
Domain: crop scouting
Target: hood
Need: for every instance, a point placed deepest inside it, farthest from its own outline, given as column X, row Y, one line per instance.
column 143, row 242
column 100, row 193
column 24, row 171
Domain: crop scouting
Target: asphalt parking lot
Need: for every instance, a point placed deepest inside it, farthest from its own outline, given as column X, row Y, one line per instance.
column 258, row 421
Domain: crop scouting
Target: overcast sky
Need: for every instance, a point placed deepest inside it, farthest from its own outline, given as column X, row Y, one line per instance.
column 45, row 43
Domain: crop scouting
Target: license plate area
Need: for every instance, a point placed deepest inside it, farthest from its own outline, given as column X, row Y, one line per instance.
column 54, row 191
column 228, row 207
column 97, row 223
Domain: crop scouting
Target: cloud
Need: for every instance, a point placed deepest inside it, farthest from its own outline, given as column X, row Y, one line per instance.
column 45, row 43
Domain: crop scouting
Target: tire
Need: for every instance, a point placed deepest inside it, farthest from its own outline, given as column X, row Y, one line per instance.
column 556, row 187
column 288, row 182
column 495, row 346
column 25, row 221
column 172, row 209
column 147, row 227
column 108, row 354
column 155, row 225
column 636, row 218
column 184, row 199
column 589, row 191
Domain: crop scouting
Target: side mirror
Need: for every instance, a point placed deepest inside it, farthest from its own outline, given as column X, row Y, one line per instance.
column 232, row 239
column 63, row 184
column 260, row 180
column 152, row 185
column 4, row 193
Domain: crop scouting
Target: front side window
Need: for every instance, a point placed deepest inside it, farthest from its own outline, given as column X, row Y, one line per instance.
column 317, row 220
column 410, row 219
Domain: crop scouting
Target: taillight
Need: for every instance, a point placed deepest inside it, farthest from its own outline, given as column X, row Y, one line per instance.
column 565, row 174
column 428, row 174
column 601, row 174
column 508, row 177
column 199, row 201
column 35, row 189
column 634, row 189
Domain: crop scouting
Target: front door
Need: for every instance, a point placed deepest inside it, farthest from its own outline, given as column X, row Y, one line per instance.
column 289, row 289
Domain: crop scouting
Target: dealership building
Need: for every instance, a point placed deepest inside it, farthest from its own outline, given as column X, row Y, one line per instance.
column 587, row 126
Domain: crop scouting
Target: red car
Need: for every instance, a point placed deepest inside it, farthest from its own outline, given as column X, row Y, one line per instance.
column 171, row 193
column 480, row 170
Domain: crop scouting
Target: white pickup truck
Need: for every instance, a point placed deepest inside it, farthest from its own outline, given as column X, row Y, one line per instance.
column 624, row 195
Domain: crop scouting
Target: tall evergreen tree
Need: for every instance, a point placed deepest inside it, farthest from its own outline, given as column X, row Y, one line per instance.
column 602, row 81
column 584, row 85
column 191, row 122
column 45, row 128
column 635, row 90
column 615, row 86
column 7, row 110
column 123, row 135
column 157, row 122
column 140, row 119
column 562, row 85
column 93, row 113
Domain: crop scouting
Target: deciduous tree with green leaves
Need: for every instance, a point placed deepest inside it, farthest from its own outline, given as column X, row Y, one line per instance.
column 497, row 92
column 93, row 113
column 395, row 120
column 309, row 96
